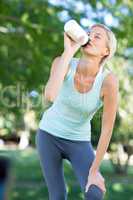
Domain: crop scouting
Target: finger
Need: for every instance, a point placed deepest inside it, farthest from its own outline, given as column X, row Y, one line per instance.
column 101, row 175
column 102, row 182
column 66, row 37
column 102, row 187
column 65, row 34
column 77, row 46
column 87, row 187
column 81, row 39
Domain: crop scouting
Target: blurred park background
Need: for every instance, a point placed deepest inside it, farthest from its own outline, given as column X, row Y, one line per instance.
column 31, row 36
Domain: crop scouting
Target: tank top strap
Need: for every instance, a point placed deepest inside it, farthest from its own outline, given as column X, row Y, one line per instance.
column 101, row 78
column 105, row 73
column 72, row 67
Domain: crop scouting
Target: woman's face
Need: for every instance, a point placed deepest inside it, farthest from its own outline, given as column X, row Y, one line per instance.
column 98, row 44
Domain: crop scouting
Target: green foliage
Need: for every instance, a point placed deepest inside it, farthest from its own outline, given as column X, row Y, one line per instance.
column 31, row 36
column 28, row 182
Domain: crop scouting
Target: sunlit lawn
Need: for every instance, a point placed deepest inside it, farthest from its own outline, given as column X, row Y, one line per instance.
column 28, row 183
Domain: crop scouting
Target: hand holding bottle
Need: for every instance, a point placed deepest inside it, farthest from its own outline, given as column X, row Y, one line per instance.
column 70, row 45
column 76, row 32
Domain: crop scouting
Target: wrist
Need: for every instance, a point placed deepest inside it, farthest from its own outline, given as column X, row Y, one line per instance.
column 94, row 169
column 68, row 52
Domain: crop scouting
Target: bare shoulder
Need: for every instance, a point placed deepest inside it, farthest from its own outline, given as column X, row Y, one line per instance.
column 111, row 82
column 54, row 65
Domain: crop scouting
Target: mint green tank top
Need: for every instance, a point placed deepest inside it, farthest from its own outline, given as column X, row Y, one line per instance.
column 70, row 115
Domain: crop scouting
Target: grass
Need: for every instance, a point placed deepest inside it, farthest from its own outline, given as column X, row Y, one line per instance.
column 28, row 183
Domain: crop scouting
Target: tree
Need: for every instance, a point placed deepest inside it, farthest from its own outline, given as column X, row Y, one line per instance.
column 31, row 35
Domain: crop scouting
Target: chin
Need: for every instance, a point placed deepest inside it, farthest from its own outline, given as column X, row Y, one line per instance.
column 89, row 51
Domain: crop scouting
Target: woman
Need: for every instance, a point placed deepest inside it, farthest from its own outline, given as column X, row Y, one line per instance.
column 78, row 88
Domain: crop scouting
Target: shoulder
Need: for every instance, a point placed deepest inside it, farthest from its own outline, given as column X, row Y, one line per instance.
column 56, row 60
column 111, row 82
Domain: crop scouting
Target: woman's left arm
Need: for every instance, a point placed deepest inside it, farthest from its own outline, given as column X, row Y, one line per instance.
column 110, row 99
column 110, row 106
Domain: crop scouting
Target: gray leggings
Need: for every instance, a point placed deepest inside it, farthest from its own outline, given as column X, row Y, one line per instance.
column 52, row 150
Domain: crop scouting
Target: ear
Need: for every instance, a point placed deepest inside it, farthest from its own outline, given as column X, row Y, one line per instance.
column 106, row 52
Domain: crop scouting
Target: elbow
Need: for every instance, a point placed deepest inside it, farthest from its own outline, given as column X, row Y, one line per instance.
column 51, row 99
column 49, row 93
column 48, row 96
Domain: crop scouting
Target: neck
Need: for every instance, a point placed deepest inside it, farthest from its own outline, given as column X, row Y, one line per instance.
column 88, row 66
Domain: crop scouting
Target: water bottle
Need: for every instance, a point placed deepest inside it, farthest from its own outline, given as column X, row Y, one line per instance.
column 75, row 32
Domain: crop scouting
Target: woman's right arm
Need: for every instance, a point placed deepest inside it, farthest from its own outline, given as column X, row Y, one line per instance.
column 59, row 69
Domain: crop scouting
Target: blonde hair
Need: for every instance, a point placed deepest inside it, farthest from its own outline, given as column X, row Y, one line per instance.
column 112, row 42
